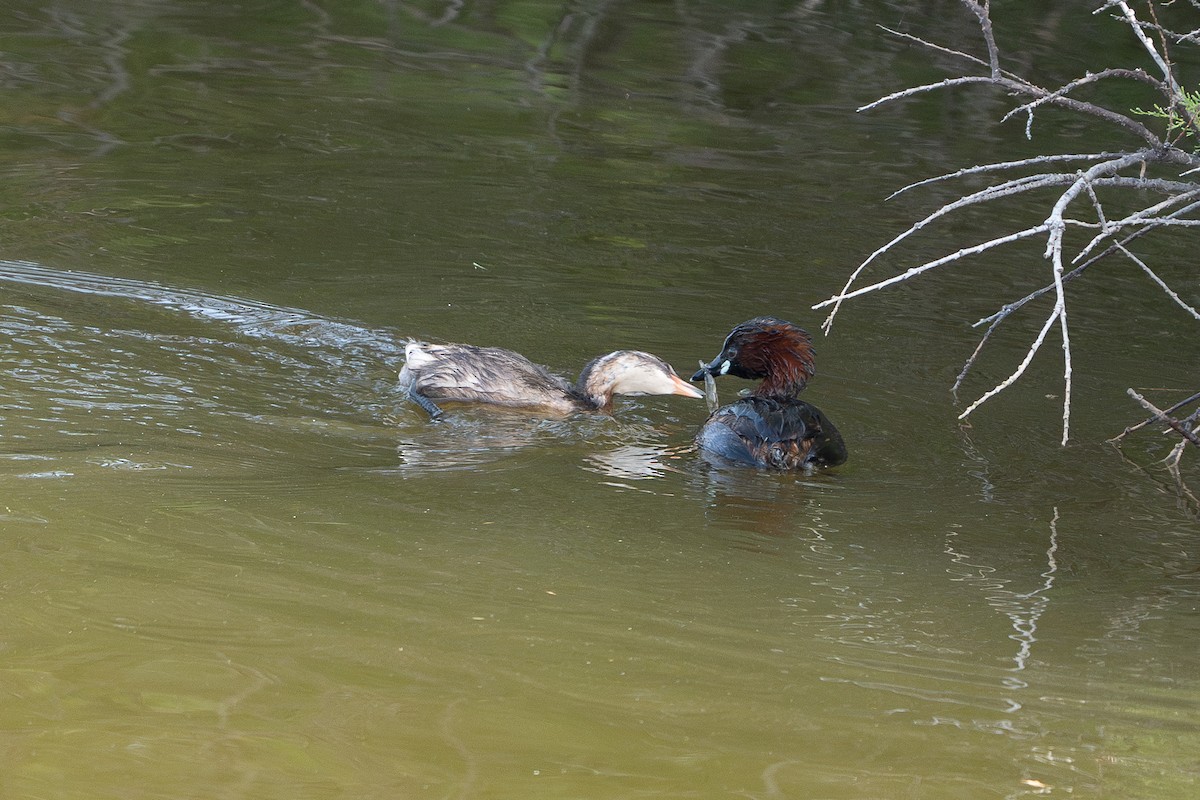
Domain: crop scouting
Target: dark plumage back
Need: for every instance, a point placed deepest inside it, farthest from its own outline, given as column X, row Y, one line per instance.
column 775, row 433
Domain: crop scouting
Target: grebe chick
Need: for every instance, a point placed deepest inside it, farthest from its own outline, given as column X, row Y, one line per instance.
column 771, row 427
column 464, row 373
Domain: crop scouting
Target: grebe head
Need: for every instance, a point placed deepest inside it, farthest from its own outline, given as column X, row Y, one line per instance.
column 630, row 372
column 772, row 349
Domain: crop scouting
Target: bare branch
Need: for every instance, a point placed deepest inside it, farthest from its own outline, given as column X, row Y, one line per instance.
column 1147, row 216
column 1186, row 402
column 1005, row 189
column 1054, row 225
column 1009, row 308
column 1160, row 282
column 1055, row 220
column 1091, row 109
column 1163, row 416
column 1100, row 171
column 1060, row 305
column 1011, row 379
column 1091, row 77
column 929, row 87
column 1006, row 311
column 1013, row 83
column 1003, row 165
column 1172, row 91
column 935, row 47
column 1148, row 45
column 980, row 8
column 1097, row 207
column 966, row 251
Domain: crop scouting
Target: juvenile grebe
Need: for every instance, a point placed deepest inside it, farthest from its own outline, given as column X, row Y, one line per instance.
column 771, row 427
column 464, row 373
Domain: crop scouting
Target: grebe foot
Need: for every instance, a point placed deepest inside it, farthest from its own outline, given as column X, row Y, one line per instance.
column 430, row 407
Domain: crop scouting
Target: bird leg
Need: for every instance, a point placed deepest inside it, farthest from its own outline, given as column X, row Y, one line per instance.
column 424, row 402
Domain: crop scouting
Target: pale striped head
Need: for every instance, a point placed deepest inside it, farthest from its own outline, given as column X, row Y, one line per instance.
column 631, row 372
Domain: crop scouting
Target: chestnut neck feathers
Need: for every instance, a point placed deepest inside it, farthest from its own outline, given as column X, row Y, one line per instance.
column 778, row 352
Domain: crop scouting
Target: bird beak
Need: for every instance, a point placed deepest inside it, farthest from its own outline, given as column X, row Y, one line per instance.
column 684, row 388
column 715, row 368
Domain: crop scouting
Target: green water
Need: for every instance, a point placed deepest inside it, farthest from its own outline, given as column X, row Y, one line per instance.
column 236, row 564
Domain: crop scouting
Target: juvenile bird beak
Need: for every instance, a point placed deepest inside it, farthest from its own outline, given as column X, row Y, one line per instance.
column 684, row 388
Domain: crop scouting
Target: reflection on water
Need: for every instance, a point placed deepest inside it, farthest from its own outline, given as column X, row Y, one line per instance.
column 637, row 462
column 1023, row 609
column 470, row 438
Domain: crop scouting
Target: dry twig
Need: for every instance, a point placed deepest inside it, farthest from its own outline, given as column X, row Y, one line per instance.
column 1079, row 202
column 1162, row 416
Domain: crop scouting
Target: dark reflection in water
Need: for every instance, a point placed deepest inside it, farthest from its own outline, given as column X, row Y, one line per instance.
column 465, row 439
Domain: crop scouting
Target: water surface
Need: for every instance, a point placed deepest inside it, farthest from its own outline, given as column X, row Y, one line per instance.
column 237, row 564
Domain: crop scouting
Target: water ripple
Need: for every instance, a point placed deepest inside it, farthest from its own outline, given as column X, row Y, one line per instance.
column 69, row 373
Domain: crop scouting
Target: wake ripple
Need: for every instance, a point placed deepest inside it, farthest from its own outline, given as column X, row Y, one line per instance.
column 256, row 360
column 247, row 317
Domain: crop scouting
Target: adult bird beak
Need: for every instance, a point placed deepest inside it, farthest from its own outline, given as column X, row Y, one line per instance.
column 713, row 368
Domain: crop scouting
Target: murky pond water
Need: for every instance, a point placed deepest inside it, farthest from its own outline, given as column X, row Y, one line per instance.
column 236, row 563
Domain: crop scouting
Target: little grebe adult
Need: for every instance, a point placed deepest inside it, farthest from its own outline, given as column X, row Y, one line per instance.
column 771, row 427
column 464, row 373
